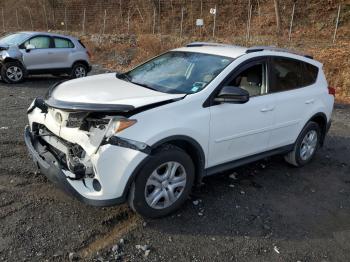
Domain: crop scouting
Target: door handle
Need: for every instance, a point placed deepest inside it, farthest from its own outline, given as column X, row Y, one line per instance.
column 267, row 109
column 310, row 101
column 50, row 53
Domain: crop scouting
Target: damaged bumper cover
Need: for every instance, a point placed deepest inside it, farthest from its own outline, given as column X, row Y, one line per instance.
column 49, row 166
column 113, row 167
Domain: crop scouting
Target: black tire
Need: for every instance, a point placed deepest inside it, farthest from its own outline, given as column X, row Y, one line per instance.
column 78, row 70
column 137, row 194
column 295, row 157
column 12, row 72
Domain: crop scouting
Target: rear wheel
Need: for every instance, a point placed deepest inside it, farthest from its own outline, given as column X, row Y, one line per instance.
column 163, row 184
column 12, row 72
column 305, row 146
column 78, row 70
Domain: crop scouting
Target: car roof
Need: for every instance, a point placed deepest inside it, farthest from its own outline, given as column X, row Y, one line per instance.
column 32, row 33
column 214, row 49
column 235, row 51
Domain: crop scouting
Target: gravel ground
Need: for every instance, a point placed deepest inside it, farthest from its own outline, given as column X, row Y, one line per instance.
column 266, row 211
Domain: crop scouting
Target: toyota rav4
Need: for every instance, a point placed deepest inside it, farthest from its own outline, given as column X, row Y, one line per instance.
column 149, row 135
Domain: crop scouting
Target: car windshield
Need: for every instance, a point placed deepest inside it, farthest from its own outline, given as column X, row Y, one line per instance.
column 13, row 39
column 178, row 72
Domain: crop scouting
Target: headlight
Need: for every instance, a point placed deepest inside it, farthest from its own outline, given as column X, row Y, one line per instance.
column 119, row 125
column 123, row 124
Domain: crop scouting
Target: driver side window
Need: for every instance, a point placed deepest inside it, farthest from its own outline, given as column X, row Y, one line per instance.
column 39, row 42
column 252, row 80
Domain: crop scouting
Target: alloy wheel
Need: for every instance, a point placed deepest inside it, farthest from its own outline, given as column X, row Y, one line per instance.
column 14, row 73
column 165, row 185
column 79, row 71
column 308, row 145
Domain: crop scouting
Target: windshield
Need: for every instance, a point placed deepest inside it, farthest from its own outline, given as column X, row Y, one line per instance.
column 14, row 39
column 178, row 72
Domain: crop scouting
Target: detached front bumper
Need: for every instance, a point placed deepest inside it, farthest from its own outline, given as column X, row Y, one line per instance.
column 50, row 166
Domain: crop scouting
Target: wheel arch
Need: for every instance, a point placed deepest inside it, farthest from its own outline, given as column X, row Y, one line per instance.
column 11, row 59
column 188, row 144
column 81, row 61
column 191, row 147
column 321, row 119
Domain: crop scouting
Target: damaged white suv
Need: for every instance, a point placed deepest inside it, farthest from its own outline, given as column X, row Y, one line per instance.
column 147, row 136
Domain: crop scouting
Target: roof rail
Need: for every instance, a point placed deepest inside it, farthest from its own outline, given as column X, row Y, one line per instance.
column 196, row 44
column 273, row 48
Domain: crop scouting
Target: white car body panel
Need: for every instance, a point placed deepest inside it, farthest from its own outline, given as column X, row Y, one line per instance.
column 224, row 132
column 108, row 89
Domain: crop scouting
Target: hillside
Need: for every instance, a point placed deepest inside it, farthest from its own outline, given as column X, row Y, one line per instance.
column 124, row 33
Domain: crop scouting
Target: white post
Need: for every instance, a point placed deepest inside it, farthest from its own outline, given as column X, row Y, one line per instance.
column 159, row 18
column 3, row 19
column 214, row 24
column 154, row 20
column 336, row 25
column 65, row 18
column 182, row 19
column 84, row 17
column 104, row 22
column 291, row 23
column 30, row 17
column 46, row 22
column 248, row 23
column 128, row 20
column 17, row 18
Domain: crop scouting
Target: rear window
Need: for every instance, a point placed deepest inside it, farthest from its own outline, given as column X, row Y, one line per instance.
column 285, row 74
column 310, row 74
column 288, row 74
column 62, row 43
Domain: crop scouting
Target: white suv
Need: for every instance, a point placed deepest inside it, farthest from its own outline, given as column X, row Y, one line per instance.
column 147, row 136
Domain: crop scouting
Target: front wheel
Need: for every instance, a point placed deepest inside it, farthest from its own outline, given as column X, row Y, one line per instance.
column 78, row 70
column 12, row 72
column 163, row 184
column 305, row 146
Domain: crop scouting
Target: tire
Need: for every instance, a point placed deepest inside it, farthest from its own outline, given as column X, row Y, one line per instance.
column 306, row 145
column 12, row 72
column 78, row 70
column 170, row 189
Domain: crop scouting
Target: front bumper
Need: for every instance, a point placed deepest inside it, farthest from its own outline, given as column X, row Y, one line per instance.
column 50, row 166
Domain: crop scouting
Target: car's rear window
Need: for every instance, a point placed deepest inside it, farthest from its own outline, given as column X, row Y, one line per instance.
column 62, row 42
column 288, row 74
column 310, row 74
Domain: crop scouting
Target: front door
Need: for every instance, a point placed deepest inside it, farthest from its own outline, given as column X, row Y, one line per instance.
column 240, row 130
column 39, row 57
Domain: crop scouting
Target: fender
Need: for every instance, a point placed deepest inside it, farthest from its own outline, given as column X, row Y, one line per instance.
column 11, row 53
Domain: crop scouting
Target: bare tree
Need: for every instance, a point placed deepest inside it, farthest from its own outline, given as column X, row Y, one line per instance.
column 278, row 17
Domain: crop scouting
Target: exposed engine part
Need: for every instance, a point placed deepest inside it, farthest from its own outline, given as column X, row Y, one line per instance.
column 76, row 119
column 78, row 163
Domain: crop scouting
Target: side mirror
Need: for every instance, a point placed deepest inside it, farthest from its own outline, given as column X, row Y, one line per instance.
column 232, row 94
column 29, row 47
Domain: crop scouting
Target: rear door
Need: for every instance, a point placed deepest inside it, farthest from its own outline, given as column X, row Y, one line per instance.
column 61, row 51
column 292, row 86
column 240, row 130
column 39, row 57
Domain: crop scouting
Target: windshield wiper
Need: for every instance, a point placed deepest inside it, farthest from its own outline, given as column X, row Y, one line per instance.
column 144, row 85
column 123, row 76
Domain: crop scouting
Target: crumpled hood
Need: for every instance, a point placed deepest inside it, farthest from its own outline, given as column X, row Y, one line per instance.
column 106, row 89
